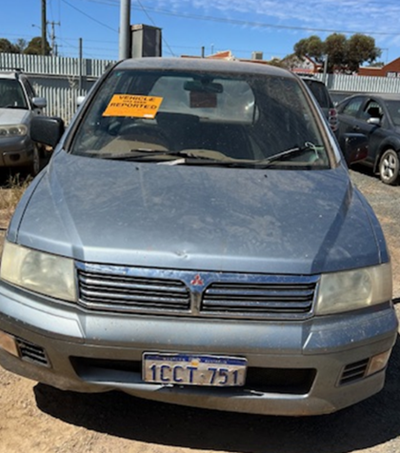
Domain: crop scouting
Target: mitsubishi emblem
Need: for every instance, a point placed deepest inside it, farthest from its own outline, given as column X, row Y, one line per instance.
column 197, row 281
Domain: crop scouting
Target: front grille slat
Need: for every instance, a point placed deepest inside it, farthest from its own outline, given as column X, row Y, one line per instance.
column 255, row 305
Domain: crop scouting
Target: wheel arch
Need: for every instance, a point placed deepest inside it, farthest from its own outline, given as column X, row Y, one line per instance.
column 392, row 144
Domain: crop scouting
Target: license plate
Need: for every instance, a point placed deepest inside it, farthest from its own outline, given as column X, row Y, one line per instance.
column 188, row 369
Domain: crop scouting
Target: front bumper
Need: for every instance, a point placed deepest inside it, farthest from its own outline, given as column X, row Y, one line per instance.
column 295, row 368
column 16, row 151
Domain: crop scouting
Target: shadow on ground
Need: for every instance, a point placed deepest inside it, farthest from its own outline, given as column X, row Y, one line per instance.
column 370, row 423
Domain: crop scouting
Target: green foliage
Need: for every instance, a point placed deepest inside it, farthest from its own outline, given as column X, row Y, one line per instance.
column 361, row 48
column 312, row 46
column 35, row 47
column 7, row 47
column 336, row 49
column 276, row 62
column 343, row 54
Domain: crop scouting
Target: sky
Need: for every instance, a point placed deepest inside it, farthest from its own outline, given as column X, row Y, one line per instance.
column 242, row 26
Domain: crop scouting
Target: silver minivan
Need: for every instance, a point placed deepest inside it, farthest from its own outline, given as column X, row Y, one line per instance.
column 196, row 239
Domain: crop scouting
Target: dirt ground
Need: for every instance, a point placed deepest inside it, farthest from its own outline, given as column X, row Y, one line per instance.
column 35, row 418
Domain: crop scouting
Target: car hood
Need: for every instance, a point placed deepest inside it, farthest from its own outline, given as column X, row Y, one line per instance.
column 13, row 116
column 197, row 217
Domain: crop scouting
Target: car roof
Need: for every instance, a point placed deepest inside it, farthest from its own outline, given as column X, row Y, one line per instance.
column 8, row 75
column 382, row 96
column 203, row 64
column 11, row 74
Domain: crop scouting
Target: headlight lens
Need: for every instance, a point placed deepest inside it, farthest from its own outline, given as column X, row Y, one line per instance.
column 38, row 271
column 13, row 130
column 354, row 289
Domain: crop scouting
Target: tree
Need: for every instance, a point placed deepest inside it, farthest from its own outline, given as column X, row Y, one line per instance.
column 312, row 47
column 35, row 47
column 336, row 50
column 361, row 48
column 344, row 55
column 276, row 62
column 6, row 46
column 20, row 45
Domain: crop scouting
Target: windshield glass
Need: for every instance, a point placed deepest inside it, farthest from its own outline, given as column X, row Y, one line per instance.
column 394, row 111
column 236, row 119
column 11, row 94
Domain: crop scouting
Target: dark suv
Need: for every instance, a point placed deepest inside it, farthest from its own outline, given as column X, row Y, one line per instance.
column 18, row 105
column 321, row 94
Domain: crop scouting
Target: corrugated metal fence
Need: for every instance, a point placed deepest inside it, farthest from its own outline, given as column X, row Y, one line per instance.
column 361, row 84
column 38, row 64
column 58, row 79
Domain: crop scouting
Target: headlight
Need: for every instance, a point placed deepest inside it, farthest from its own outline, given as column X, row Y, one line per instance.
column 38, row 271
column 354, row 289
column 13, row 130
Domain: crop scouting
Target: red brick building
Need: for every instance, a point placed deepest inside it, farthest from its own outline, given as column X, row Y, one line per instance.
column 391, row 69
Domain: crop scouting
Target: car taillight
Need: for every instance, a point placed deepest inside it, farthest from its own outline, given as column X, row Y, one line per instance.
column 333, row 119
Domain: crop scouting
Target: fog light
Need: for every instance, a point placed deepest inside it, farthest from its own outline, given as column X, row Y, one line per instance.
column 8, row 343
column 378, row 362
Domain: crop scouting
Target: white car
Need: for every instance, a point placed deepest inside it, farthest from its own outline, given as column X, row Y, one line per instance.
column 18, row 104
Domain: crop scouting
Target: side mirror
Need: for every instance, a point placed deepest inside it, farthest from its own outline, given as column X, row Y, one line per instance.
column 375, row 121
column 79, row 100
column 47, row 130
column 355, row 148
column 40, row 103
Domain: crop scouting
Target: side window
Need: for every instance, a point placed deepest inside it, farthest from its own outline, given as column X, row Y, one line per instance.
column 352, row 107
column 372, row 110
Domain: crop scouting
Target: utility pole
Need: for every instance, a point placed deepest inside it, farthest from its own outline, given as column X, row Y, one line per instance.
column 80, row 65
column 124, row 29
column 325, row 69
column 53, row 37
column 44, row 25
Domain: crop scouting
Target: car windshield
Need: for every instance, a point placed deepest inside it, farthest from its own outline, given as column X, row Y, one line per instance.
column 11, row 94
column 198, row 118
column 394, row 111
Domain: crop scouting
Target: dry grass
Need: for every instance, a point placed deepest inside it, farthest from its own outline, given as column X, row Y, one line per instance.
column 10, row 194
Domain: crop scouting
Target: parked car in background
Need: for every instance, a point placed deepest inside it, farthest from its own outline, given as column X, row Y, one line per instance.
column 324, row 99
column 197, row 240
column 378, row 118
column 18, row 105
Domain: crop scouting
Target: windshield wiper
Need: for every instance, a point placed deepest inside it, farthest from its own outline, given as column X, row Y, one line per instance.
column 190, row 156
column 307, row 147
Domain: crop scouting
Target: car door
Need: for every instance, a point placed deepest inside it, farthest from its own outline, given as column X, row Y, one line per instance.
column 348, row 112
column 355, row 117
column 374, row 124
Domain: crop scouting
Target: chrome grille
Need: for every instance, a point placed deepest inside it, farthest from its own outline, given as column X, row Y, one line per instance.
column 263, row 298
column 131, row 293
column 191, row 293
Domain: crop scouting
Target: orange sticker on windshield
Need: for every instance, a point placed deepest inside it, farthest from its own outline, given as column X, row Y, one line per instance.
column 133, row 105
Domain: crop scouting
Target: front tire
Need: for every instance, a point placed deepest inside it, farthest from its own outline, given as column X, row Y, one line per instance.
column 36, row 165
column 389, row 166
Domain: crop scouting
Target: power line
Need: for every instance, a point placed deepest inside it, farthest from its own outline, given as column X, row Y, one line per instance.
column 262, row 24
column 152, row 21
column 88, row 16
column 250, row 23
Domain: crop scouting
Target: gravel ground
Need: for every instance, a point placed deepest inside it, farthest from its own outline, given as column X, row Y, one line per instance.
column 36, row 418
